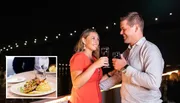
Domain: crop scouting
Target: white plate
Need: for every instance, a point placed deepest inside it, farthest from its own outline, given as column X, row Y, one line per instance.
column 50, row 72
column 16, row 90
column 16, row 79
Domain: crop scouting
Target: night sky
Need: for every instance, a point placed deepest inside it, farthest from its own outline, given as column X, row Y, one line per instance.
column 21, row 21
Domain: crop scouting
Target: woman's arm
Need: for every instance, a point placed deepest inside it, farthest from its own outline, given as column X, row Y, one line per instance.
column 79, row 78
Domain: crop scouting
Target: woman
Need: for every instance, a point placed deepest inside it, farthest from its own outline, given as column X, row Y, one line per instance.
column 85, row 67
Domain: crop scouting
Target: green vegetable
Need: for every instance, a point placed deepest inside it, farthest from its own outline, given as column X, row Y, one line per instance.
column 21, row 90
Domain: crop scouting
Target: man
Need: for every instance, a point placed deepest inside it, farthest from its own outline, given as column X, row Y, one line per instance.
column 23, row 64
column 141, row 64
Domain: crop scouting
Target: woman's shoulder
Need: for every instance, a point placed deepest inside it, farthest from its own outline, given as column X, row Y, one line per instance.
column 77, row 56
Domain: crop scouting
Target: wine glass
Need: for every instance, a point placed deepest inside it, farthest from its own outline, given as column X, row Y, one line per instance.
column 116, row 55
column 105, row 53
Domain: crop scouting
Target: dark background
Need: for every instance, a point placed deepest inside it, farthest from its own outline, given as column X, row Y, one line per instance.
column 26, row 21
column 22, row 21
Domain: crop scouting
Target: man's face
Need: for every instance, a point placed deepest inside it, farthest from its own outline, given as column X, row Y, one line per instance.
column 127, row 32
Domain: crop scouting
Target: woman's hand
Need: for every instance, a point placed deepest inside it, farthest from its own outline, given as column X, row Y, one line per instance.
column 102, row 61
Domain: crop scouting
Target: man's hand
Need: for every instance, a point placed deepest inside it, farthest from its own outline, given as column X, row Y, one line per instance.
column 119, row 63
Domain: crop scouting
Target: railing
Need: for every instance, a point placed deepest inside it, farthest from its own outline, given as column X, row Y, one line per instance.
column 64, row 99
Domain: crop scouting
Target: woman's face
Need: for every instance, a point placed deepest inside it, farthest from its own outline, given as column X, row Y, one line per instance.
column 92, row 41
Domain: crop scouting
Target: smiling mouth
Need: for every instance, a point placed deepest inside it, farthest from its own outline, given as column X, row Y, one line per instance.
column 95, row 46
column 125, row 37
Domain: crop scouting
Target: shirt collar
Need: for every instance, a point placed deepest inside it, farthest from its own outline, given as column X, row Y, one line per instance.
column 141, row 41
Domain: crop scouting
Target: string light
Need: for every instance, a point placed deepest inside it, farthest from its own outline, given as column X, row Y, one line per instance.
column 25, row 43
column 156, row 19
column 46, row 37
column 106, row 27
column 35, row 40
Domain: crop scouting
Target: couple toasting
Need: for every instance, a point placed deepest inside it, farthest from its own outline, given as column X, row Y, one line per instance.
column 140, row 67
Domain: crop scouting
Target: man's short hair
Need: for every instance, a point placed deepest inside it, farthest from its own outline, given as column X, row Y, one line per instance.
column 134, row 18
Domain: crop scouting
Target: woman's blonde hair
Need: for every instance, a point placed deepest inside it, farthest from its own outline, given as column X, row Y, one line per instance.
column 80, row 45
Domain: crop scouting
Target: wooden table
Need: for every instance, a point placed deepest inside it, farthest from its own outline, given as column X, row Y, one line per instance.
column 30, row 75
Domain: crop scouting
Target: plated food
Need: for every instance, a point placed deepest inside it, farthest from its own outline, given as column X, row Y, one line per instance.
column 35, row 86
column 52, row 68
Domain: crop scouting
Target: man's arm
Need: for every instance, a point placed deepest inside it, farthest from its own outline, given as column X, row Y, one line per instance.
column 37, row 64
column 152, row 76
column 17, row 65
column 111, row 81
column 46, row 63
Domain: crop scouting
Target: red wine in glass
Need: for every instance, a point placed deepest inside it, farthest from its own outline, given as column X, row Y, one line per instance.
column 105, row 53
column 116, row 55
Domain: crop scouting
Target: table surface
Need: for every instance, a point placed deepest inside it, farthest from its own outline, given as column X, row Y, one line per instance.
column 28, row 76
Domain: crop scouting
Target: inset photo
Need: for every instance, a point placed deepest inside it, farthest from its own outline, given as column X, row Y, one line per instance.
column 31, row 77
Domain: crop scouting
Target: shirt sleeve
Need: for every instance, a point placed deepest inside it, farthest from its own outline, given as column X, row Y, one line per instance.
column 152, row 76
column 77, row 62
column 46, row 63
column 37, row 64
column 111, row 81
